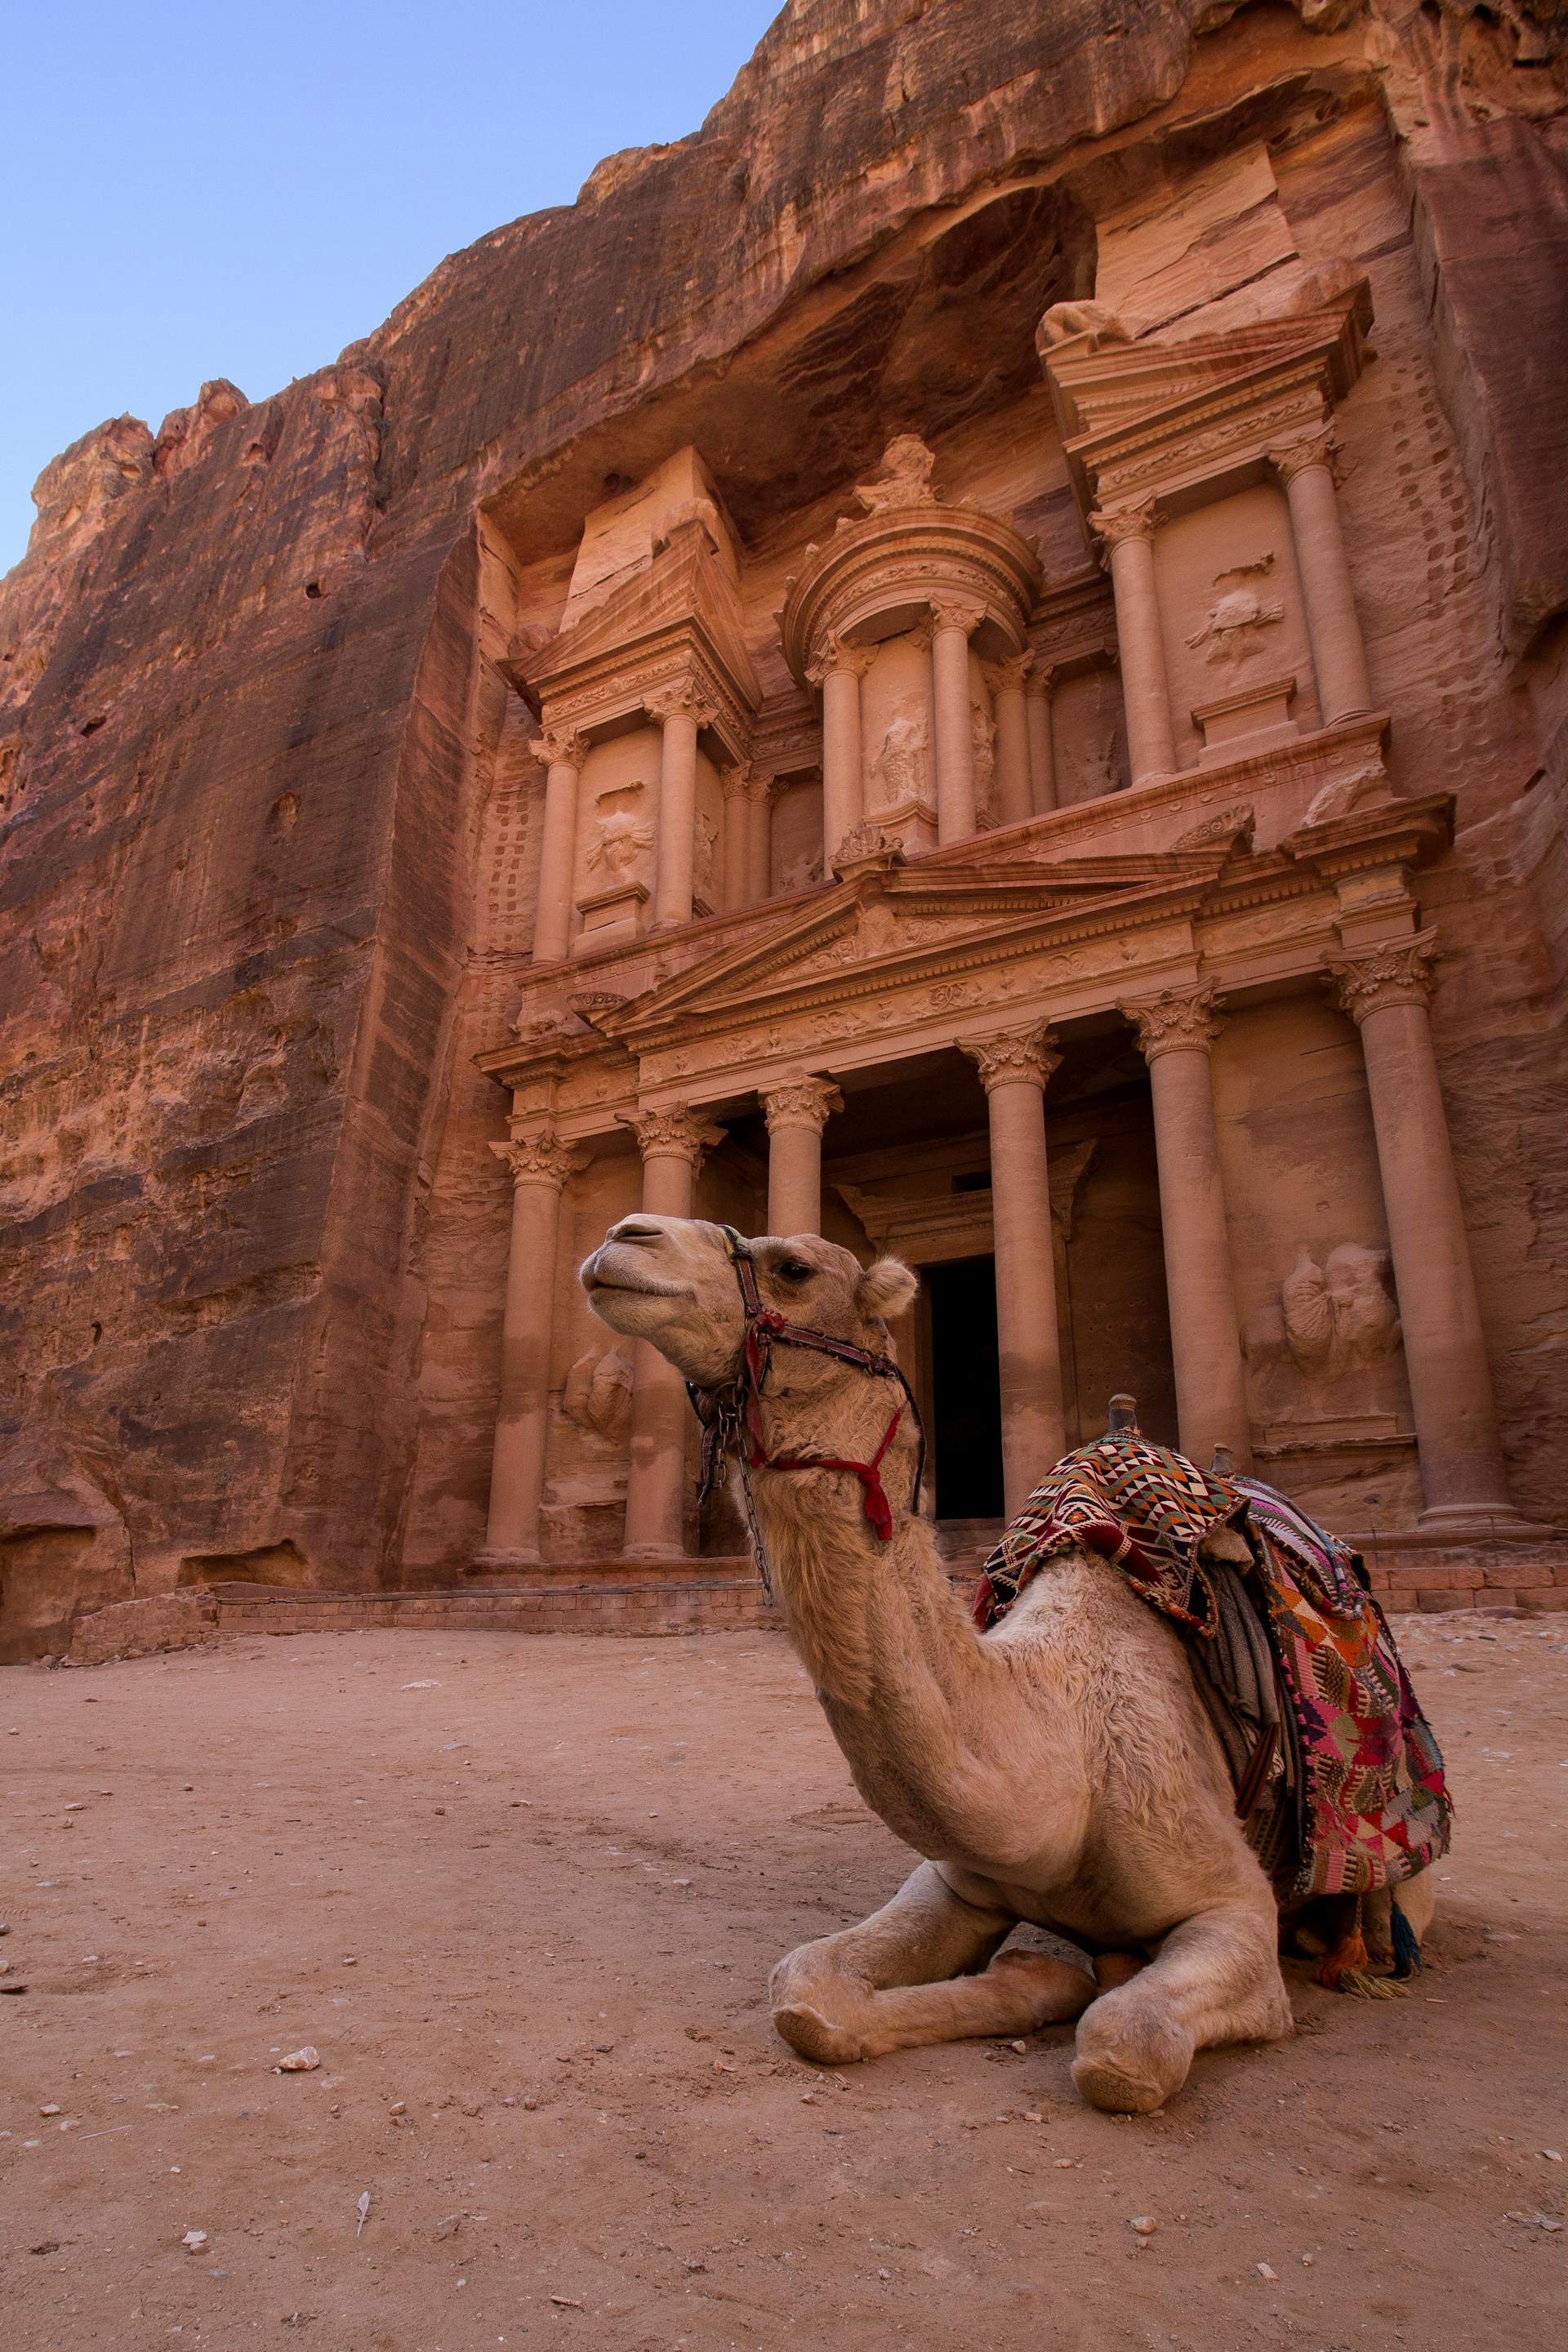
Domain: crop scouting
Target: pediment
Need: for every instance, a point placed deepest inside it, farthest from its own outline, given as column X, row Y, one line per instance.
column 892, row 921
column 685, row 587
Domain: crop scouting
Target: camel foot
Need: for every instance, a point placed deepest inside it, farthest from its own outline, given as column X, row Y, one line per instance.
column 1130, row 2065
column 811, row 2036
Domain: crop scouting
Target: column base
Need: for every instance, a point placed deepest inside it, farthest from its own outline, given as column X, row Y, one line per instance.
column 497, row 1558
column 654, row 1554
column 1477, row 1523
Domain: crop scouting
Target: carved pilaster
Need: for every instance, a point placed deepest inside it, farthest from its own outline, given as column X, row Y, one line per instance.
column 1400, row 973
column 1023, row 1057
column 672, row 1133
column 541, row 1159
column 803, row 1103
column 1175, row 1019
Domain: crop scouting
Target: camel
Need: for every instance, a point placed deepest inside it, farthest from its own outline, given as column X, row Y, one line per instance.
column 1060, row 1769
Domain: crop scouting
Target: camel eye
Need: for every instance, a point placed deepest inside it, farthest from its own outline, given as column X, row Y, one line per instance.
column 795, row 1269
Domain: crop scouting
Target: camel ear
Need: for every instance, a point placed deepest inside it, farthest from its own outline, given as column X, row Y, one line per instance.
column 886, row 1288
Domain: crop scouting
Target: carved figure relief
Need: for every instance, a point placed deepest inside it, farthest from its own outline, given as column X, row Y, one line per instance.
column 621, row 840
column 983, row 735
column 598, row 1393
column 1231, row 632
column 900, row 765
column 702, row 857
column 902, row 479
column 1097, row 767
column 1339, row 1316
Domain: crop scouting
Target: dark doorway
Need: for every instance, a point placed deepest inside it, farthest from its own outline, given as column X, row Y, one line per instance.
column 967, row 1390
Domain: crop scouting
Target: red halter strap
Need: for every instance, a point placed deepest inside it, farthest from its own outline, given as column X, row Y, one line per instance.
column 734, row 1413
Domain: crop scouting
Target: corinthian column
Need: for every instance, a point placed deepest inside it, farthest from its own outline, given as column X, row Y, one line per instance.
column 796, row 1114
column 539, row 1170
column 1042, row 749
column 1339, row 657
column 561, row 758
column 1014, row 792
column 672, row 1143
column 1385, row 992
column 1129, row 533
column 954, row 622
column 1175, row 1030
column 759, row 840
column 737, row 839
column 838, row 673
column 1015, row 1072
column 681, row 715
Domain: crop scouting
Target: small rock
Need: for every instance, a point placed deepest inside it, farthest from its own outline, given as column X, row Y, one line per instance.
column 1265, row 2272
column 1145, row 2224
column 194, row 2241
column 1020, row 2047
column 1306, row 2260
column 399, row 2107
column 50, row 2110
column 1551, row 2155
column 530, row 2105
column 420, row 1685
column 298, row 2062
column 1032, row 2116
column 449, row 2227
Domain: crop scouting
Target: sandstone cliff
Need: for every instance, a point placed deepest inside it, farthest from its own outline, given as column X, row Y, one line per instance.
column 251, row 724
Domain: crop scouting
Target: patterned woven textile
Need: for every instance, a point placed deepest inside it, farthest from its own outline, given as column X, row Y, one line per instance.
column 1340, row 1779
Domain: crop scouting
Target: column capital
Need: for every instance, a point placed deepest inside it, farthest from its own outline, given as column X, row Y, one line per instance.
column 1400, row 973
column 1010, row 677
column 761, row 789
column 541, row 1159
column 735, row 783
column 1177, row 1019
column 800, row 1103
column 1023, row 1058
column 965, row 612
column 672, row 1133
column 838, row 655
column 1314, row 448
column 681, row 699
column 563, row 747
column 1115, row 524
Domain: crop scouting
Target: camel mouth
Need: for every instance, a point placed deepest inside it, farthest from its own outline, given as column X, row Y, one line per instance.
column 614, row 1267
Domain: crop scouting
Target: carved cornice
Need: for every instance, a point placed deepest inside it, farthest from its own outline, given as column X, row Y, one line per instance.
column 804, row 1103
column 1400, row 973
column 672, row 1133
column 1176, row 1020
column 906, row 559
column 541, row 1159
column 1023, row 1057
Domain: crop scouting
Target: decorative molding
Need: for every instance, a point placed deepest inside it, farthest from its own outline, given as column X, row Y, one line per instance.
column 801, row 1103
column 909, row 557
column 1400, row 973
column 541, row 1159
column 1023, row 1057
column 672, row 1133
column 1176, row 1020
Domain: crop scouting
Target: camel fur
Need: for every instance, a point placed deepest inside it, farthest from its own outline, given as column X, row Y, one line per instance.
column 1060, row 1769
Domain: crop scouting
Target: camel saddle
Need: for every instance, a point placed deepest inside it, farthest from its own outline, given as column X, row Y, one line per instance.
column 1339, row 1779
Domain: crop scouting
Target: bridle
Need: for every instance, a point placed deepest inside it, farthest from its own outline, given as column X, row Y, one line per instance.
column 729, row 1414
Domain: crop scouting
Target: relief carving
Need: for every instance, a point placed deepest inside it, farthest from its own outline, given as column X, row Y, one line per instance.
column 1231, row 630
column 902, row 479
column 1343, row 794
column 983, row 735
column 620, row 841
column 1341, row 1315
column 598, row 1394
column 1097, row 767
column 900, row 764
column 702, row 857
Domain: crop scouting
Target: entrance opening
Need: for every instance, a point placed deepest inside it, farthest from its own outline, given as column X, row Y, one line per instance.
column 967, row 1390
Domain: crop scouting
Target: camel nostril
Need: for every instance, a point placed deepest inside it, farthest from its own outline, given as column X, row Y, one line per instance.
column 633, row 1229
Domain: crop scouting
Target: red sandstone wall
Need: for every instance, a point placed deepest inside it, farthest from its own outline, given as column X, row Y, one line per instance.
column 264, row 862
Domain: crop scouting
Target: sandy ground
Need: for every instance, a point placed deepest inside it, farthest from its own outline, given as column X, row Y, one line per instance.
column 522, row 1897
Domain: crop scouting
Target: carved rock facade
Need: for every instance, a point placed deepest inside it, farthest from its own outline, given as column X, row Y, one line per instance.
column 1059, row 591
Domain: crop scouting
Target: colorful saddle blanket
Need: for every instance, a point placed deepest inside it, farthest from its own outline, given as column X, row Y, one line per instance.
column 1339, row 1778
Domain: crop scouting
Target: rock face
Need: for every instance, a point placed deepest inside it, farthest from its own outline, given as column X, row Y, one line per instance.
column 273, row 831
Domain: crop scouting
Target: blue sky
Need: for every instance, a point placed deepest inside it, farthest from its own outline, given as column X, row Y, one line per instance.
column 195, row 191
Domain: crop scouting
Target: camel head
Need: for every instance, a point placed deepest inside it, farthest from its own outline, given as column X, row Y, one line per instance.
column 670, row 1280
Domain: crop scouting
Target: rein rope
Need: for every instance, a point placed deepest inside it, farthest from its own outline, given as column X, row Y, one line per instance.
column 729, row 1412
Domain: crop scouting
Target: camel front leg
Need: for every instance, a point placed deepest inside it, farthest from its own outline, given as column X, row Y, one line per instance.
column 916, row 1972
column 1217, row 1978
